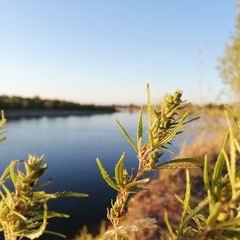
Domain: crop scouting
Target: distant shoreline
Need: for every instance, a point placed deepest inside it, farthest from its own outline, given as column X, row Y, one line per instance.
column 34, row 113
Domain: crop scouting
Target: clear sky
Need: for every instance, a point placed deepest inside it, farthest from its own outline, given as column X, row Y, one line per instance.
column 105, row 51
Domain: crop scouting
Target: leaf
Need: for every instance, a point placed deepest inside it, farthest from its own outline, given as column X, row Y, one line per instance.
column 37, row 233
column 140, row 130
column 9, row 199
column 186, row 202
column 70, row 194
column 169, row 227
column 119, row 171
column 134, row 184
column 191, row 120
column 149, row 107
column 236, row 119
column 195, row 211
column 206, row 182
column 2, row 122
column 52, row 214
column 126, row 135
column 106, row 177
column 4, row 176
column 12, row 172
column 169, row 136
column 185, row 160
column 217, row 173
column 55, row 233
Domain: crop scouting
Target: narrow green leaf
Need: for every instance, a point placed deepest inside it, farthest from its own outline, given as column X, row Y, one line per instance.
column 70, row 194
column 12, row 172
column 9, row 199
column 2, row 122
column 150, row 137
column 37, row 233
column 149, row 107
column 186, row 202
column 140, row 130
column 119, row 171
column 106, row 177
column 186, row 160
column 217, row 173
column 191, row 120
column 126, row 135
column 170, row 135
column 169, row 227
column 207, row 183
column 2, row 138
column 168, row 167
column 52, row 214
column 196, row 217
column 134, row 184
column 227, row 160
column 233, row 156
column 195, row 211
column 236, row 119
column 4, row 176
column 55, row 233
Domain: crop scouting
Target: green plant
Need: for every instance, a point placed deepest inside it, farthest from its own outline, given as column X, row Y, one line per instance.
column 217, row 216
column 24, row 211
column 163, row 125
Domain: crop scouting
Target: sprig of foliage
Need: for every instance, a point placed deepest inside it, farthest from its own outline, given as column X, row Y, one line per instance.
column 24, row 211
column 163, row 125
column 218, row 215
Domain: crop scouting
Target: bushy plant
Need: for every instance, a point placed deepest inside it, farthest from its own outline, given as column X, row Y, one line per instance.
column 215, row 217
column 24, row 210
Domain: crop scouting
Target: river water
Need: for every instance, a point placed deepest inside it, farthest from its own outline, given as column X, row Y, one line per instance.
column 70, row 146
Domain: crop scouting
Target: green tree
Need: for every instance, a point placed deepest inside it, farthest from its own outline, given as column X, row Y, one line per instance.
column 230, row 63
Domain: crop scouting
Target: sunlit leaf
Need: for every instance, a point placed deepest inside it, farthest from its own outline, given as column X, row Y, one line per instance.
column 149, row 107
column 140, row 130
column 169, row 227
column 119, row 171
column 134, row 184
column 194, row 161
column 195, row 211
column 186, row 202
column 52, row 214
column 55, row 233
column 126, row 135
column 38, row 232
column 169, row 136
column 106, row 177
column 70, row 194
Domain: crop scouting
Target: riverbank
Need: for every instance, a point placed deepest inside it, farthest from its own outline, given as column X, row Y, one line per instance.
column 34, row 113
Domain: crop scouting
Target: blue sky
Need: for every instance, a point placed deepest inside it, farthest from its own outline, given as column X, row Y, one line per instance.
column 105, row 51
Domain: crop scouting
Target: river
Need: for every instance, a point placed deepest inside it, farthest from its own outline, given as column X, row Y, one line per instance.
column 70, row 146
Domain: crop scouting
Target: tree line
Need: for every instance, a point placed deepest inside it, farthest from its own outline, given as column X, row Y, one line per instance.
column 17, row 102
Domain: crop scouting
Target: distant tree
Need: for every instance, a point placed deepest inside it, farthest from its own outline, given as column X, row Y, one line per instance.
column 230, row 63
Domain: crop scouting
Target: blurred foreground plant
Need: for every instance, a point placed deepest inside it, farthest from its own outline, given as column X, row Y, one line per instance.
column 23, row 210
column 217, row 216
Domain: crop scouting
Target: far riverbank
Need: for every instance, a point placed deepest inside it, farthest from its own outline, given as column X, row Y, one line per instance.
column 29, row 113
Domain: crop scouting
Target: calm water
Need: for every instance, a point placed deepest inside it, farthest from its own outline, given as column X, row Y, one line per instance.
column 70, row 146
